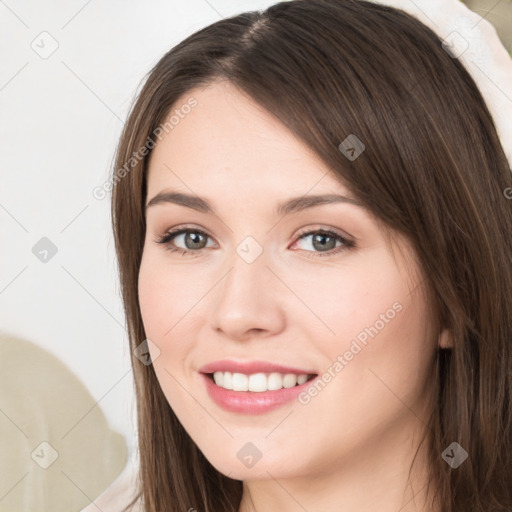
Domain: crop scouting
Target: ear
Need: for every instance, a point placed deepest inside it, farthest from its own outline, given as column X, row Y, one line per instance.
column 445, row 339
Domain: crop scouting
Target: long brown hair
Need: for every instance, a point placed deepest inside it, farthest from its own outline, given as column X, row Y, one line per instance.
column 433, row 170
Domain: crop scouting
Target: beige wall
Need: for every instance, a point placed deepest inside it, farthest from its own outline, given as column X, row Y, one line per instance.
column 499, row 13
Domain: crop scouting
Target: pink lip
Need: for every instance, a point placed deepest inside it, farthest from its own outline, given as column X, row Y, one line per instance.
column 250, row 402
column 250, row 367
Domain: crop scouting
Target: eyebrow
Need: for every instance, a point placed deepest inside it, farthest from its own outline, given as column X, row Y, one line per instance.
column 293, row 205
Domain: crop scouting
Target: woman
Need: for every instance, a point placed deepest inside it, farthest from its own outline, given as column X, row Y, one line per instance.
column 314, row 252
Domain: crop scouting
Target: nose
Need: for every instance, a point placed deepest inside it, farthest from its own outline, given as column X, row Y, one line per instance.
column 249, row 300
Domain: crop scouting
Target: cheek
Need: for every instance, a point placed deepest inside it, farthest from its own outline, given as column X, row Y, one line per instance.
column 373, row 386
column 350, row 299
column 164, row 299
column 152, row 298
column 387, row 357
column 382, row 341
column 167, row 295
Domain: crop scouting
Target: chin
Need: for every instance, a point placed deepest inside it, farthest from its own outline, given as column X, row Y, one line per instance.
column 240, row 466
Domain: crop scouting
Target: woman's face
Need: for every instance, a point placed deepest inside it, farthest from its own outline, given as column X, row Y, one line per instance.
column 254, row 288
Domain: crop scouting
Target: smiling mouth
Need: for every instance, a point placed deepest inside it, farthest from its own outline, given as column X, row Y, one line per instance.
column 258, row 382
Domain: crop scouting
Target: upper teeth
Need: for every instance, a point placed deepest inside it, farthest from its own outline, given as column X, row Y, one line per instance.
column 257, row 381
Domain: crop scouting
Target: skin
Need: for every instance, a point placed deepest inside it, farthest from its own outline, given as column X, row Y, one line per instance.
column 353, row 442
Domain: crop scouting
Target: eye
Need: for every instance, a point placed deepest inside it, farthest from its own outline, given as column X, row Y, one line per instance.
column 192, row 238
column 325, row 240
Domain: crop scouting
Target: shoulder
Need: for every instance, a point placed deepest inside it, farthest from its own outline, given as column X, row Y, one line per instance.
column 119, row 494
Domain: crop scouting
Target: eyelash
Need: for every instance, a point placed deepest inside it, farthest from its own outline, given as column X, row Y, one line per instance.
column 166, row 239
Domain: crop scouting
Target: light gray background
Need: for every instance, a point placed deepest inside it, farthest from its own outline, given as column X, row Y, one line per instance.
column 61, row 116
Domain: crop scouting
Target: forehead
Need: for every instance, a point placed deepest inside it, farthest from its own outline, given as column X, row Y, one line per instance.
column 228, row 141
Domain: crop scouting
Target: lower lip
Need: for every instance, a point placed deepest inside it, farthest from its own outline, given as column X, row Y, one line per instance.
column 251, row 402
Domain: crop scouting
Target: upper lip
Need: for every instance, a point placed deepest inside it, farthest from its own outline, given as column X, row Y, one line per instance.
column 250, row 367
